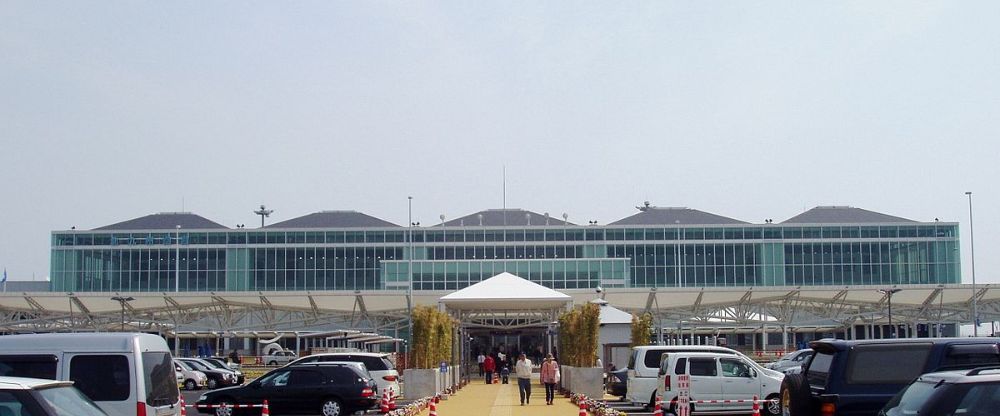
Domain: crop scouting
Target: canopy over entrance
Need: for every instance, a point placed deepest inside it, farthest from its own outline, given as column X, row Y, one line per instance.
column 506, row 291
column 506, row 301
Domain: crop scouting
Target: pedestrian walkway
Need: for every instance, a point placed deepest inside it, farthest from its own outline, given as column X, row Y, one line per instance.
column 480, row 399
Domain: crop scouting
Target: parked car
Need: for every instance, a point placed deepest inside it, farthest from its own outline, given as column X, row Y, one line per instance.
column 329, row 389
column 222, row 365
column 193, row 379
column 124, row 373
column 618, row 382
column 378, row 365
column 280, row 358
column 792, row 362
column 968, row 393
column 37, row 397
column 217, row 377
column 644, row 366
column 727, row 381
column 859, row 377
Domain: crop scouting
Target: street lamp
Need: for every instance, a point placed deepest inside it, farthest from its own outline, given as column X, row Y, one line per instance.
column 122, row 301
column 888, row 293
column 177, row 260
column 972, row 244
column 409, row 278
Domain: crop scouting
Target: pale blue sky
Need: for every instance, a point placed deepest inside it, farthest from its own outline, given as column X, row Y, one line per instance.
column 754, row 110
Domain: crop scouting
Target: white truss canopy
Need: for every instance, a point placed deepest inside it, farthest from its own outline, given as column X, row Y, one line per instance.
column 268, row 313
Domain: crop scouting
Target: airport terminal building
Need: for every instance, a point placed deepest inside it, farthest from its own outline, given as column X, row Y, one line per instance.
column 654, row 248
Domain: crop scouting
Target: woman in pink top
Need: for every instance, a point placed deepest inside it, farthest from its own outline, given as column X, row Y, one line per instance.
column 549, row 376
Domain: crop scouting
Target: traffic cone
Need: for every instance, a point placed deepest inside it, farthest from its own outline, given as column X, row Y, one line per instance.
column 434, row 409
column 583, row 409
column 184, row 411
column 658, row 409
column 392, row 400
column 384, row 403
column 266, row 411
column 756, row 406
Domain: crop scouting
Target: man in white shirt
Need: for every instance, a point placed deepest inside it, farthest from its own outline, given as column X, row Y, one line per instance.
column 523, row 370
column 481, row 359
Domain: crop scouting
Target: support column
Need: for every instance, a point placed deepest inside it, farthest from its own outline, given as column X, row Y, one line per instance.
column 784, row 338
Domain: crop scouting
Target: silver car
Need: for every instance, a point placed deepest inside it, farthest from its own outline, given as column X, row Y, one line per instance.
column 792, row 362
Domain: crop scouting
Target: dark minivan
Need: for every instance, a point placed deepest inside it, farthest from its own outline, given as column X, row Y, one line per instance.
column 328, row 389
column 854, row 378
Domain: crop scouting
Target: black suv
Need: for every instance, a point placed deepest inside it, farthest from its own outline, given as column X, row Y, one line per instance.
column 966, row 392
column 853, row 378
column 328, row 389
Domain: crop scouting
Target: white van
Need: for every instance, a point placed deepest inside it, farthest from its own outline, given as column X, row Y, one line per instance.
column 126, row 374
column 644, row 365
column 727, row 382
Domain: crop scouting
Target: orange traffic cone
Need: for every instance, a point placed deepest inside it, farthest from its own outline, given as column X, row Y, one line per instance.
column 434, row 409
column 384, row 405
column 583, row 409
column 184, row 411
column 265, row 411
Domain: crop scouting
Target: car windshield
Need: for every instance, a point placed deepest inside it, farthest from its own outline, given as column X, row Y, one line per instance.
column 67, row 400
column 197, row 366
column 908, row 401
column 215, row 364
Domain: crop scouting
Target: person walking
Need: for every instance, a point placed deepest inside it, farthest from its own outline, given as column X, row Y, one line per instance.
column 523, row 371
column 549, row 376
column 481, row 359
column 489, row 366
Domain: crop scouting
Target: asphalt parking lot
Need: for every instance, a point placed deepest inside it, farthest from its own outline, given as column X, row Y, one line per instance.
column 191, row 397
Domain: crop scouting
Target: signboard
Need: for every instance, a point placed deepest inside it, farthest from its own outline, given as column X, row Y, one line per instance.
column 683, row 395
column 444, row 366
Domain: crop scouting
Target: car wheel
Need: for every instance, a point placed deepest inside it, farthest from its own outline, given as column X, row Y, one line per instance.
column 190, row 385
column 212, row 384
column 795, row 395
column 331, row 407
column 222, row 410
column 771, row 407
column 272, row 363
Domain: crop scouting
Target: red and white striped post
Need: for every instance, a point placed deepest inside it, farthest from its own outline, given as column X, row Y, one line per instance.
column 583, row 408
column 658, row 409
column 266, row 411
column 434, row 409
column 184, row 411
column 756, row 406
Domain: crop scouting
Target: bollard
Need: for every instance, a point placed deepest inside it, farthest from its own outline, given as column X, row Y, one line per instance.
column 392, row 400
column 434, row 409
column 658, row 409
column 184, row 411
column 384, row 402
column 756, row 406
column 583, row 408
column 266, row 411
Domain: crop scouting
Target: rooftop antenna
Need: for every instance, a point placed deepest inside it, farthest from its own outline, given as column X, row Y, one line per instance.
column 645, row 206
column 263, row 212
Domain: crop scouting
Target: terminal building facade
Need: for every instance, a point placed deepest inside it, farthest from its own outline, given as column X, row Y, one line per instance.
column 655, row 248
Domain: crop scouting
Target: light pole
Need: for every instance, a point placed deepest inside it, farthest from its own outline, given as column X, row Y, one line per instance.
column 177, row 260
column 122, row 301
column 888, row 293
column 409, row 277
column 972, row 245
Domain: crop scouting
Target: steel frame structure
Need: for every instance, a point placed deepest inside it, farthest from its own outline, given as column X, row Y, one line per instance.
column 386, row 311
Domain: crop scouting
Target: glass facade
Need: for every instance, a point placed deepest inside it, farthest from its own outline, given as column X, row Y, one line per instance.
column 451, row 258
